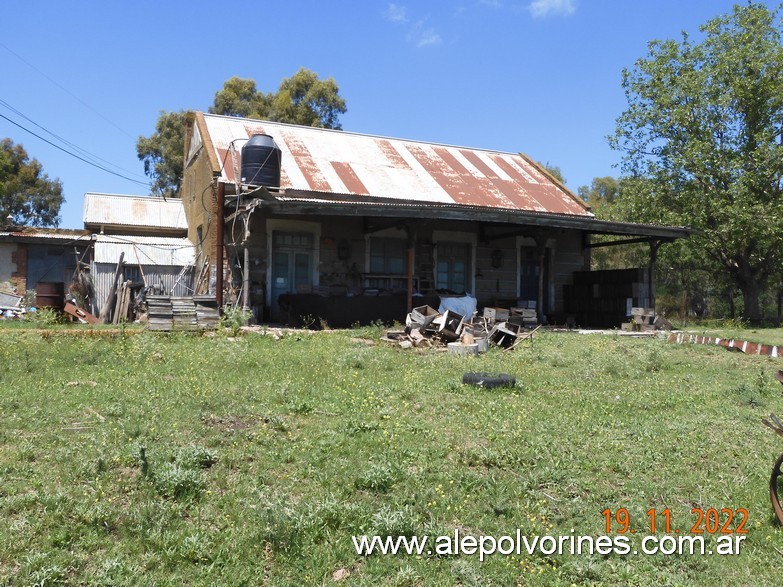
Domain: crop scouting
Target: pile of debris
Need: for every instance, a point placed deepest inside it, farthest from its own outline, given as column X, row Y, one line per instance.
column 645, row 320
column 426, row 327
column 11, row 306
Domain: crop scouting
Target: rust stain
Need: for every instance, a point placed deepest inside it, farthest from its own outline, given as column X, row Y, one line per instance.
column 138, row 209
column 226, row 164
column 524, row 190
column 479, row 192
column 446, row 177
column 543, row 197
column 350, row 179
column 478, row 163
column 307, row 165
column 392, row 155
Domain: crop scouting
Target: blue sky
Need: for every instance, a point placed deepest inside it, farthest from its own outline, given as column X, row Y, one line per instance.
column 540, row 77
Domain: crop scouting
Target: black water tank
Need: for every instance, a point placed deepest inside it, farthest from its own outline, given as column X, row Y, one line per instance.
column 261, row 162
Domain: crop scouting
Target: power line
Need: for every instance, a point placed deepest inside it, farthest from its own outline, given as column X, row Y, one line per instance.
column 66, row 90
column 67, row 142
column 101, row 167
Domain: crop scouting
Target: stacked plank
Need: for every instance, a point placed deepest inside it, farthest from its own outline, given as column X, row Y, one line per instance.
column 207, row 312
column 159, row 313
column 182, row 313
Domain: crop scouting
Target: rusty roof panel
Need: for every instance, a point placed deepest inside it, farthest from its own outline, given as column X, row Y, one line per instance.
column 338, row 162
column 147, row 211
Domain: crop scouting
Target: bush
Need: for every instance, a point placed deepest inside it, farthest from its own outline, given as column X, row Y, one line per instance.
column 176, row 482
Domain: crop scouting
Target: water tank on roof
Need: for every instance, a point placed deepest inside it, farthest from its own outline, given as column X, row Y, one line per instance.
column 261, row 162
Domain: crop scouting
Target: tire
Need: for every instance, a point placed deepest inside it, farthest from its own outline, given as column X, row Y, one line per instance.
column 774, row 489
column 489, row 380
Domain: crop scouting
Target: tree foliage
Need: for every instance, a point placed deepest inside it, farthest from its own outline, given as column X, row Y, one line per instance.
column 702, row 134
column 163, row 153
column 554, row 171
column 304, row 99
column 600, row 194
column 301, row 99
column 27, row 195
column 240, row 97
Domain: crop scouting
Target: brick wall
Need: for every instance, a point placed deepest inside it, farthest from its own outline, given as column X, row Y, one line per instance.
column 19, row 276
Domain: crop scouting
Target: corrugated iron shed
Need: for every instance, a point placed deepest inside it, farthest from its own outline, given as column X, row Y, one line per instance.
column 136, row 211
column 144, row 250
column 318, row 160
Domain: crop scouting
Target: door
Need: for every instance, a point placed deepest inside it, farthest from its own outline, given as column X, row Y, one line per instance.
column 292, row 265
column 530, row 275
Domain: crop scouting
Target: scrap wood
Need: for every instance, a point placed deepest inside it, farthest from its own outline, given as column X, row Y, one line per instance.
column 527, row 335
column 775, row 425
column 108, row 305
column 82, row 315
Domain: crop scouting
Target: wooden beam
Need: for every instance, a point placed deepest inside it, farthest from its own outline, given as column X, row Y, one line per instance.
column 627, row 241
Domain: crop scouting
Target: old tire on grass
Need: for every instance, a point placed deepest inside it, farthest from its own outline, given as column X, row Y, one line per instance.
column 489, row 380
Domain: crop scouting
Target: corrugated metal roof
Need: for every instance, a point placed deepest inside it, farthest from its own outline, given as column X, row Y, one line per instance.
column 59, row 234
column 144, row 250
column 338, row 162
column 148, row 211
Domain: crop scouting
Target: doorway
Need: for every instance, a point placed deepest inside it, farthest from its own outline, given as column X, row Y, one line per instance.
column 292, row 264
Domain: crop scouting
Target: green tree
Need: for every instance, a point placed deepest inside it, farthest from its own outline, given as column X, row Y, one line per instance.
column 554, row 171
column 703, row 126
column 602, row 192
column 163, row 153
column 27, row 195
column 301, row 99
column 240, row 97
column 306, row 100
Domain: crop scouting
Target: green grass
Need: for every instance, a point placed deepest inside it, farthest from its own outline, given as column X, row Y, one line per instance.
column 190, row 460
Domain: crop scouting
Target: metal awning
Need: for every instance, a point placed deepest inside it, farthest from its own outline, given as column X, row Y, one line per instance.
column 297, row 203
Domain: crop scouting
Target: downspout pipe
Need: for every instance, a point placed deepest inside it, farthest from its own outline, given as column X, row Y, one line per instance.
column 221, row 202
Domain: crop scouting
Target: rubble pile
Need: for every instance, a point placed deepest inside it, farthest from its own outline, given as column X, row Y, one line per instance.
column 426, row 327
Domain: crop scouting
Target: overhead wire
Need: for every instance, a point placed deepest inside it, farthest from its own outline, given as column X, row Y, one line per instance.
column 66, row 90
column 74, row 155
column 67, row 142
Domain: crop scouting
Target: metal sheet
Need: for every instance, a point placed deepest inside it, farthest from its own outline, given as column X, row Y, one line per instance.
column 338, row 162
column 148, row 211
column 144, row 250
column 174, row 281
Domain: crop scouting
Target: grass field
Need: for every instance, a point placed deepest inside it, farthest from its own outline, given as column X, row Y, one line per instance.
column 208, row 460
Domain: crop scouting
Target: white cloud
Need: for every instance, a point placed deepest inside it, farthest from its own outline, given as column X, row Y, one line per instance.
column 428, row 37
column 418, row 33
column 397, row 13
column 543, row 8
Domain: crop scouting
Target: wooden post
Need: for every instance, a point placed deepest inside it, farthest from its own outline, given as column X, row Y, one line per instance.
column 541, row 252
column 246, row 282
column 221, row 201
column 411, row 248
column 108, row 303
column 654, row 245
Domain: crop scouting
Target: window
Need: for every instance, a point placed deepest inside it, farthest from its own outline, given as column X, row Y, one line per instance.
column 292, row 240
column 388, row 256
column 132, row 273
column 200, row 238
column 453, row 267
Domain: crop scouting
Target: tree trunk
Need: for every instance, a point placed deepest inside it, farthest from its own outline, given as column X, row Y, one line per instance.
column 751, row 294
